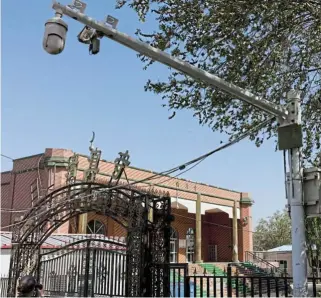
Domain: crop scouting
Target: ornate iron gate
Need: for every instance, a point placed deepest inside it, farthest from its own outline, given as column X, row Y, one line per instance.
column 86, row 268
column 146, row 216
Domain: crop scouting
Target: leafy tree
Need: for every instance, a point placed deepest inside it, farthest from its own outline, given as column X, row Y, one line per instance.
column 276, row 231
column 265, row 46
column 313, row 236
column 273, row 232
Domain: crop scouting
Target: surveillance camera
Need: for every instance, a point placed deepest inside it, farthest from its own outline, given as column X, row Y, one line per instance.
column 55, row 35
column 86, row 35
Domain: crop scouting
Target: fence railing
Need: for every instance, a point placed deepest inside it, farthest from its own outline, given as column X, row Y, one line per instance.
column 263, row 264
column 229, row 285
column 3, row 286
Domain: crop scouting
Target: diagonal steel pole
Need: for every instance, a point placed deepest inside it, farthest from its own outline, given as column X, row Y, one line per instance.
column 173, row 62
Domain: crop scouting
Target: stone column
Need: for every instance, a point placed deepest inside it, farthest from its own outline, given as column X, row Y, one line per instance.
column 246, row 223
column 235, row 257
column 198, row 240
column 82, row 226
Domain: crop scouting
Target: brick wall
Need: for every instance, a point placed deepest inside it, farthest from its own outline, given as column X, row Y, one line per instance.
column 218, row 231
column 245, row 231
column 5, row 199
column 216, row 227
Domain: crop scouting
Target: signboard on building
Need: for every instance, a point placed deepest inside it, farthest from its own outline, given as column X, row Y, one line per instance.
column 182, row 243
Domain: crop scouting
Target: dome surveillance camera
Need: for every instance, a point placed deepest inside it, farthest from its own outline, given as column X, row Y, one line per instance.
column 55, row 35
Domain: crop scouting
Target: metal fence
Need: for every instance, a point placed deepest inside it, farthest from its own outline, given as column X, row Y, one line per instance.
column 211, row 285
column 3, row 286
column 208, row 285
column 85, row 271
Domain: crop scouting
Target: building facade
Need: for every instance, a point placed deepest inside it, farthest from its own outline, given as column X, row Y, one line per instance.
column 35, row 176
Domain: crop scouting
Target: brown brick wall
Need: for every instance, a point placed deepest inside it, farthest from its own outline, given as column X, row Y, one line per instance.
column 218, row 231
column 245, row 232
column 5, row 200
column 216, row 228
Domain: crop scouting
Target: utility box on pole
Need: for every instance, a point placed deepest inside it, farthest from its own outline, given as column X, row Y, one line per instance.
column 312, row 191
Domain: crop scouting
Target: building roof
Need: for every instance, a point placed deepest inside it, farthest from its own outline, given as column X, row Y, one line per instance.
column 282, row 248
column 57, row 240
column 285, row 248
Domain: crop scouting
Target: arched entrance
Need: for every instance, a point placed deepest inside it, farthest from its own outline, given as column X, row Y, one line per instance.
column 147, row 242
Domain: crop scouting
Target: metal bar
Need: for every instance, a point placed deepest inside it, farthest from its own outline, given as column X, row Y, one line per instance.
column 207, row 286
column 124, row 275
column 119, row 272
column 268, row 287
column 105, row 258
column 93, row 276
column 112, row 290
column 214, row 281
column 109, row 274
column 237, row 286
column 222, row 286
column 83, row 271
column 286, row 290
column 201, row 286
column 244, row 287
column 65, row 269
column 252, row 286
column 260, row 287
column 175, row 63
column 314, row 284
column 229, row 277
column 87, row 269
column 276, row 287
column 79, row 271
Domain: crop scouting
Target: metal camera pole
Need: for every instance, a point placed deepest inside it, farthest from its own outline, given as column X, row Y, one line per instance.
column 290, row 139
column 289, row 134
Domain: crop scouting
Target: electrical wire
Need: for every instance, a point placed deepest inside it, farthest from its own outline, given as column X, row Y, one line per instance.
column 200, row 158
column 8, row 157
column 47, row 209
column 212, row 223
column 196, row 162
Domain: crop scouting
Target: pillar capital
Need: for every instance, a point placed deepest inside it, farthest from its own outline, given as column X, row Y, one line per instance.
column 246, row 199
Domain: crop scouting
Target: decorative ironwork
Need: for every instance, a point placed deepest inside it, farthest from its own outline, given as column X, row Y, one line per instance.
column 147, row 243
column 94, row 159
column 147, row 246
column 120, row 164
column 85, row 269
column 72, row 169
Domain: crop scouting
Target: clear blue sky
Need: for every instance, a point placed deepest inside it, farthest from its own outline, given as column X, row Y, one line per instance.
column 57, row 101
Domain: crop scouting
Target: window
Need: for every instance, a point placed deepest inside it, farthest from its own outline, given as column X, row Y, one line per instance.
column 173, row 246
column 96, row 227
column 190, row 245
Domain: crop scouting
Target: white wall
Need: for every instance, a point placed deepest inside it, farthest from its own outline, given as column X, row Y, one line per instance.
column 5, row 255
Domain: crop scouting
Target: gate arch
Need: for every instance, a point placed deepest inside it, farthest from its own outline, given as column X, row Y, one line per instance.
column 147, row 240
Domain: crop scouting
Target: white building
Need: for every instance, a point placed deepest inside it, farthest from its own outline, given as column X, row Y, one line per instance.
column 280, row 257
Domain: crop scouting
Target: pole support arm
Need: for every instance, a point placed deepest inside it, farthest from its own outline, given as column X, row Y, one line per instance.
column 180, row 65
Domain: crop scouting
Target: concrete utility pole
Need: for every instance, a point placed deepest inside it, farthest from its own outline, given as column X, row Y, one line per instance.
column 299, row 254
column 289, row 134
